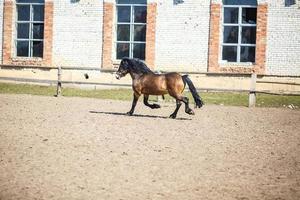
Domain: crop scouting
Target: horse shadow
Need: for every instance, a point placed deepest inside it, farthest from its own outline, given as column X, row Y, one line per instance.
column 136, row 115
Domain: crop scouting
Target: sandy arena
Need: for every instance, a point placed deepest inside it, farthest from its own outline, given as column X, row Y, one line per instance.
column 87, row 149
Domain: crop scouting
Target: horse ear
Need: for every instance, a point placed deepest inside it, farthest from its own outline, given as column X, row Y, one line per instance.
column 125, row 61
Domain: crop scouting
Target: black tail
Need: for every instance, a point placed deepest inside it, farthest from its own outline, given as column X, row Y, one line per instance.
column 197, row 98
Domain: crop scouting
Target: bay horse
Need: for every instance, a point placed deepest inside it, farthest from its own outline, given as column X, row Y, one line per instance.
column 146, row 82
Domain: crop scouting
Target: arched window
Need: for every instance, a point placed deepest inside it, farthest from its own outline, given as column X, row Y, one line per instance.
column 239, row 30
column 30, row 28
column 131, row 28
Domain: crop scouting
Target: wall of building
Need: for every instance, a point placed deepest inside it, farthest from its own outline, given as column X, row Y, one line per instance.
column 182, row 35
column 1, row 29
column 283, row 39
column 77, row 33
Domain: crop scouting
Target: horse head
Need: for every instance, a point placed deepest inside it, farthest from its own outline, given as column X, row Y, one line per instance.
column 123, row 68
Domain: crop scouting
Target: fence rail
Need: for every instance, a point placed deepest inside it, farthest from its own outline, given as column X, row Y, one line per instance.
column 252, row 91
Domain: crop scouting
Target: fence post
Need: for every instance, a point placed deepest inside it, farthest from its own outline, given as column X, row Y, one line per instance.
column 58, row 89
column 252, row 94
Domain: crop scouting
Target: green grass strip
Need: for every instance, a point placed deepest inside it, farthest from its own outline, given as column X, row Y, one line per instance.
column 219, row 98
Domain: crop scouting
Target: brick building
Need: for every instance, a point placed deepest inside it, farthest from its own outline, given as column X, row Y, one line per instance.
column 229, row 36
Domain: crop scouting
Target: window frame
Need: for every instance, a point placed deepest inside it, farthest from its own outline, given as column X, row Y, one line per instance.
column 31, row 21
column 131, row 24
column 240, row 25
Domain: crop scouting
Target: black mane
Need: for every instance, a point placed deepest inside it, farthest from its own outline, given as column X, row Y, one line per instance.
column 138, row 66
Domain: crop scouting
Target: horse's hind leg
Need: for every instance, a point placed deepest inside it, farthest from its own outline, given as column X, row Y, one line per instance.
column 153, row 106
column 174, row 114
column 185, row 100
column 135, row 99
column 188, row 110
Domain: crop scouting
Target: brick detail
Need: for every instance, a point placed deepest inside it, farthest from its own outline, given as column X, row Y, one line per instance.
column 261, row 39
column 8, row 48
column 7, row 31
column 150, row 34
column 108, row 16
column 214, row 45
column 48, row 33
column 214, row 35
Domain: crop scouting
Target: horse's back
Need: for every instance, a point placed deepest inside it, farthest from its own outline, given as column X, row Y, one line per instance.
column 173, row 75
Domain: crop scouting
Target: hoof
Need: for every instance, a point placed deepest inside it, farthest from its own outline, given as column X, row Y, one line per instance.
column 200, row 104
column 190, row 112
column 172, row 116
column 155, row 106
column 129, row 113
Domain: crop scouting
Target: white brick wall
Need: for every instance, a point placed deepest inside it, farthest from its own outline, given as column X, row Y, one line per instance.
column 283, row 39
column 1, row 29
column 77, row 33
column 182, row 35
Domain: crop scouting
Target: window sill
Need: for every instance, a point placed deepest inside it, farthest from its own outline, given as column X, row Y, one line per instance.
column 116, row 62
column 27, row 61
column 236, row 64
column 31, row 59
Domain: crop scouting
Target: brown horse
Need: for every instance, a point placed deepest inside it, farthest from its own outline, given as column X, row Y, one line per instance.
column 146, row 82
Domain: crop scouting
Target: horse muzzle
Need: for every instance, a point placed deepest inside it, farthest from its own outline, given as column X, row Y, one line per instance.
column 118, row 76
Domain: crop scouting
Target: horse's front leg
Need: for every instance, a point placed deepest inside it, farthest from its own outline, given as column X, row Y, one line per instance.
column 135, row 99
column 153, row 106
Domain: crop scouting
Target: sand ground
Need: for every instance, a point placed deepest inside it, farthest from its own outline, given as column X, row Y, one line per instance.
column 80, row 148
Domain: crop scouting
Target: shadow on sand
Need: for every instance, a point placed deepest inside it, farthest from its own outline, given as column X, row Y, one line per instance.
column 136, row 115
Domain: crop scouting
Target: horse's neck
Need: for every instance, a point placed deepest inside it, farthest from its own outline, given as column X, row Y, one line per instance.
column 135, row 75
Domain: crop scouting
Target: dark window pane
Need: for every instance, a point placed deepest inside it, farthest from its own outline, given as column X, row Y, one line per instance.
column 132, row 1
column 139, row 51
column 122, row 50
column 38, row 13
column 240, row 2
column 249, row 35
column 38, row 31
column 249, row 16
column 178, row 1
column 229, row 53
column 23, row 13
column 140, row 14
column 231, row 15
column 230, row 34
column 123, row 33
column 140, row 33
column 123, row 14
column 37, row 49
column 247, row 54
column 30, row 1
column 289, row 2
column 22, row 48
column 23, row 31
